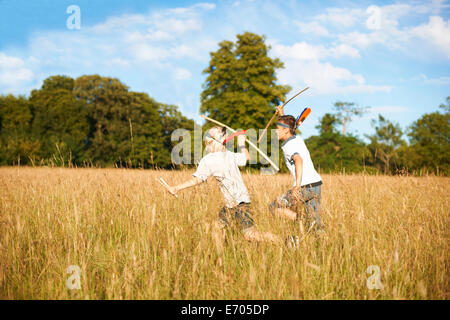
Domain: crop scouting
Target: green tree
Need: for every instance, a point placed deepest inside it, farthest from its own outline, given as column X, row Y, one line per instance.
column 385, row 143
column 16, row 116
column 124, row 126
column 60, row 120
column 172, row 119
column 346, row 111
column 92, row 118
column 328, row 124
column 58, row 82
column 146, row 136
column 240, row 89
column 446, row 107
column 332, row 151
column 430, row 140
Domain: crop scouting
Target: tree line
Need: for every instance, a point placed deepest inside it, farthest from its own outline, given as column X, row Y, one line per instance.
column 97, row 121
column 88, row 121
column 426, row 150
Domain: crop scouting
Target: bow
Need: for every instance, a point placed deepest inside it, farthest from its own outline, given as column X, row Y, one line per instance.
column 273, row 117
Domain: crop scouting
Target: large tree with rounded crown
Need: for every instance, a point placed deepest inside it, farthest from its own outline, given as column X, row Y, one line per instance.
column 240, row 89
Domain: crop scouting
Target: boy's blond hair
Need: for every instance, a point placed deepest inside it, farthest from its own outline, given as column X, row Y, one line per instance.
column 214, row 139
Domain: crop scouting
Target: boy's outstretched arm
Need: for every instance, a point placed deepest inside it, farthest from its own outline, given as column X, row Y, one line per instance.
column 187, row 184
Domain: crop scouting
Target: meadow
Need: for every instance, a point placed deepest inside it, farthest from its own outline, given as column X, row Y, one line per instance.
column 133, row 240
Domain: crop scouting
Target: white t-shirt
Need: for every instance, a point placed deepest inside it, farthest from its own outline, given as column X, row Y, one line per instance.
column 296, row 145
column 224, row 167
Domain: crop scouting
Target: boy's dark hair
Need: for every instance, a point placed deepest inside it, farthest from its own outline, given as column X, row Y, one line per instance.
column 290, row 121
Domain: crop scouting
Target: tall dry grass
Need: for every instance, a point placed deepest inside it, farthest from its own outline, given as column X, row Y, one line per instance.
column 132, row 240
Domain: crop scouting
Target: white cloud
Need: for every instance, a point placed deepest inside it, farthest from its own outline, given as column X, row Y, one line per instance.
column 437, row 32
column 138, row 46
column 305, row 51
column 13, row 73
column 182, row 74
column 380, row 25
column 431, row 7
column 125, row 21
column 204, row 5
column 299, row 51
column 177, row 25
column 433, row 39
column 343, row 50
column 435, row 81
column 390, row 14
column 150, row 41
column 303, row 67
column 341, row 17
column 8, row 62
column 144, row 52
column 118, row 62
column 312, row 28
column 158, row 35
column 364, row 40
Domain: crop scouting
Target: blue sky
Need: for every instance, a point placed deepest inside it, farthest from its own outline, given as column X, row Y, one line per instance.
column 391, row 56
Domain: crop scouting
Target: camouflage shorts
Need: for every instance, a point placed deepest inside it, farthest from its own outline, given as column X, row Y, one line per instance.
column 239, row 216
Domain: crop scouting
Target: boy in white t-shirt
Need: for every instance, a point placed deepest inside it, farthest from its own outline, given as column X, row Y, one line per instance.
column 223, row 165
column 306, row 181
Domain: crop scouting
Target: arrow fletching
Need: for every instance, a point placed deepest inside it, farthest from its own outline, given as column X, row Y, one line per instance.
column 305, row 113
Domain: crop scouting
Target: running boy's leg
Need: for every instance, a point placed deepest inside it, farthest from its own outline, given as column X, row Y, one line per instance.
column 312, row 206
column 241, row 215
column 284, row 206
column 251, row 234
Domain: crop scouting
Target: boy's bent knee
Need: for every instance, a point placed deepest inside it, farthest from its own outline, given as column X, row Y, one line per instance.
column 249, row 233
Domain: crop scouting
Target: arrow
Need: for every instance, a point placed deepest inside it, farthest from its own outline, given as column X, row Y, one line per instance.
column 273, row 117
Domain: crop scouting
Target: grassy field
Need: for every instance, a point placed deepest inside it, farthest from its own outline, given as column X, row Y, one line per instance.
column 132, row 240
